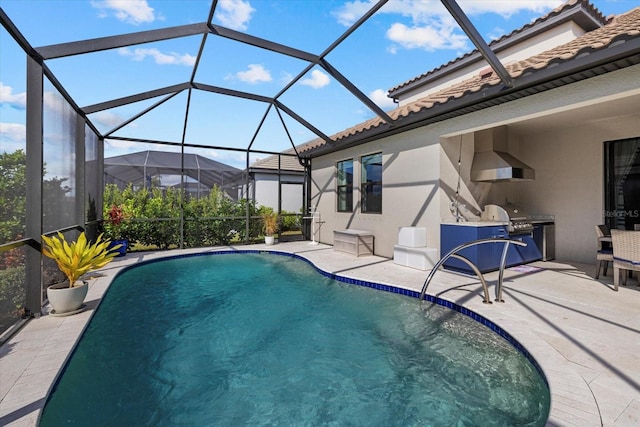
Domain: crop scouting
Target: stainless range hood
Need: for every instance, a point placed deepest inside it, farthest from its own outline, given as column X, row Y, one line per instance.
column 492, row 162
column 495, row 166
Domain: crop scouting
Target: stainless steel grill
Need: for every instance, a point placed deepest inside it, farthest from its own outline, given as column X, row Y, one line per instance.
column 519, row 220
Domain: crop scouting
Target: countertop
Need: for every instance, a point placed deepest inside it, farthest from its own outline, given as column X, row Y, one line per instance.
column 474, row 223
column 477, row 223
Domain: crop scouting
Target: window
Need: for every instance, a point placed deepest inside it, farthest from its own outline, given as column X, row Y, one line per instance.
column 622, row 183
column 345, row 186
column 371, row 183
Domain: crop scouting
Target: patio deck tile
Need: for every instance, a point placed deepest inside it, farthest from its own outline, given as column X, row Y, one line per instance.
column 585, row 336
column 630, row 415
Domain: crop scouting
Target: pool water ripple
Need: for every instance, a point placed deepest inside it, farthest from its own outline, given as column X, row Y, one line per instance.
column 258, row 339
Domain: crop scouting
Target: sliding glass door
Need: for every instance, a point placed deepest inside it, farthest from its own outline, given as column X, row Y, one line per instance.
column 622, row 183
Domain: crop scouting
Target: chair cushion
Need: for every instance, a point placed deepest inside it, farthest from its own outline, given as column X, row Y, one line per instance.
column 628, row 261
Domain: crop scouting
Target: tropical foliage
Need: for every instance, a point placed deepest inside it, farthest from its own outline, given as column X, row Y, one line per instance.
column 77, row 258
column 13, row 184
column 152, row 218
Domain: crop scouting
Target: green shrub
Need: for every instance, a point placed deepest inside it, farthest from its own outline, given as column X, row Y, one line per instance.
column 152, row 218
column 12, row 295
column 290, row 221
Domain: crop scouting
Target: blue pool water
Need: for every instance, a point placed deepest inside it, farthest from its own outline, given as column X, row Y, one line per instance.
column 260, row 339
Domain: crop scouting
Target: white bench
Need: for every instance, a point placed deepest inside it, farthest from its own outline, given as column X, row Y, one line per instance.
column 355, row 242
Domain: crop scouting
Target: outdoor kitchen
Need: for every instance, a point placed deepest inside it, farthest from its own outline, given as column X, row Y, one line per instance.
column 499, row 221
column 493, row 164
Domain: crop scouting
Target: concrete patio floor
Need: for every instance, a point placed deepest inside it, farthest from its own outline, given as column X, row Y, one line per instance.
column 585, row 336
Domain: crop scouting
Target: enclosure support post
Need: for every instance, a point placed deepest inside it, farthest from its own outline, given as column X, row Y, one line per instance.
column 34, row 151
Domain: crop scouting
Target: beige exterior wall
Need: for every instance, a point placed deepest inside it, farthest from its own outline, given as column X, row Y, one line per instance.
column 410, row 194
column 560, row 133
column 570, row 180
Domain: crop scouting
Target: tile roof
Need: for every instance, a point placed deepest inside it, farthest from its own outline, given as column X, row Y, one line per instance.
column 620, row 27
column 571, row 4
column 287, row 163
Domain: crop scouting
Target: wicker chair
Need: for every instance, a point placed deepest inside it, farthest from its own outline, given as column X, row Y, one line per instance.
column 604, row 255
column 626, row 253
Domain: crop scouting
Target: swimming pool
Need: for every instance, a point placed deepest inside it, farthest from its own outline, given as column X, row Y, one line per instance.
column 263, row 339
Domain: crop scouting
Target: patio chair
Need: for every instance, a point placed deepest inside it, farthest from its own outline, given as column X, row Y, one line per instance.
column 626, row 253
column 604, row 255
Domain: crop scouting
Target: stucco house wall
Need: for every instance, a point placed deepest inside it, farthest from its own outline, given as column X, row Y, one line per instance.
column 410, row 189
column 570, row 183
column 420, row 167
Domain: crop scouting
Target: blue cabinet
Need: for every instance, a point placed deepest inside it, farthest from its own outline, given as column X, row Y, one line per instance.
column 524, row 254
column 485, row 256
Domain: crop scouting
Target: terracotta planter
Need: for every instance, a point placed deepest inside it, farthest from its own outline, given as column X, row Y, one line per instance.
column 65, row 300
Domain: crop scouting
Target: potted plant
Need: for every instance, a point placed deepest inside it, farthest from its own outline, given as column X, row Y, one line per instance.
column 270, row 225
column 115, row 218
column 74, row 260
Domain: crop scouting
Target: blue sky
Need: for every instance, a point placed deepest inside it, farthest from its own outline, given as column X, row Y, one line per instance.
column 404, row 39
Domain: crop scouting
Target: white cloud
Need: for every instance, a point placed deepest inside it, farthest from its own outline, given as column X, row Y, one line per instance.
column 255, row 74
column 507, row 8
column 116, row 147
column 420, row 12
column 286, row 78
column 15, row 100
column 428, row 38
column 139, row 54
column 381, row 99
column 208, row 152
column 317, row 80
column 496, row 33
column 428, row 25
column 108, row 119
column 13, row 136
column 234, row 14
column 131, row 11
column 53, row 102
column 351, row 11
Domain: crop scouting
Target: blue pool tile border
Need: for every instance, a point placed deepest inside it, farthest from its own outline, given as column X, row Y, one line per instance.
column 378, row 286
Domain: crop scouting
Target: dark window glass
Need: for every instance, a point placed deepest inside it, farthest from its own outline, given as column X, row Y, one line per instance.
column 371, row 183
column 622, row 183
column 345, row 186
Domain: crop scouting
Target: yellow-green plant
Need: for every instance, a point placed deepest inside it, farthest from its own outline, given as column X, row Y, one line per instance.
column 79, row 257
column 270, row 222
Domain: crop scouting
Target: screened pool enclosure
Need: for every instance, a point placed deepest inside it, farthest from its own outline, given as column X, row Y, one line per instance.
column 80, row 131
